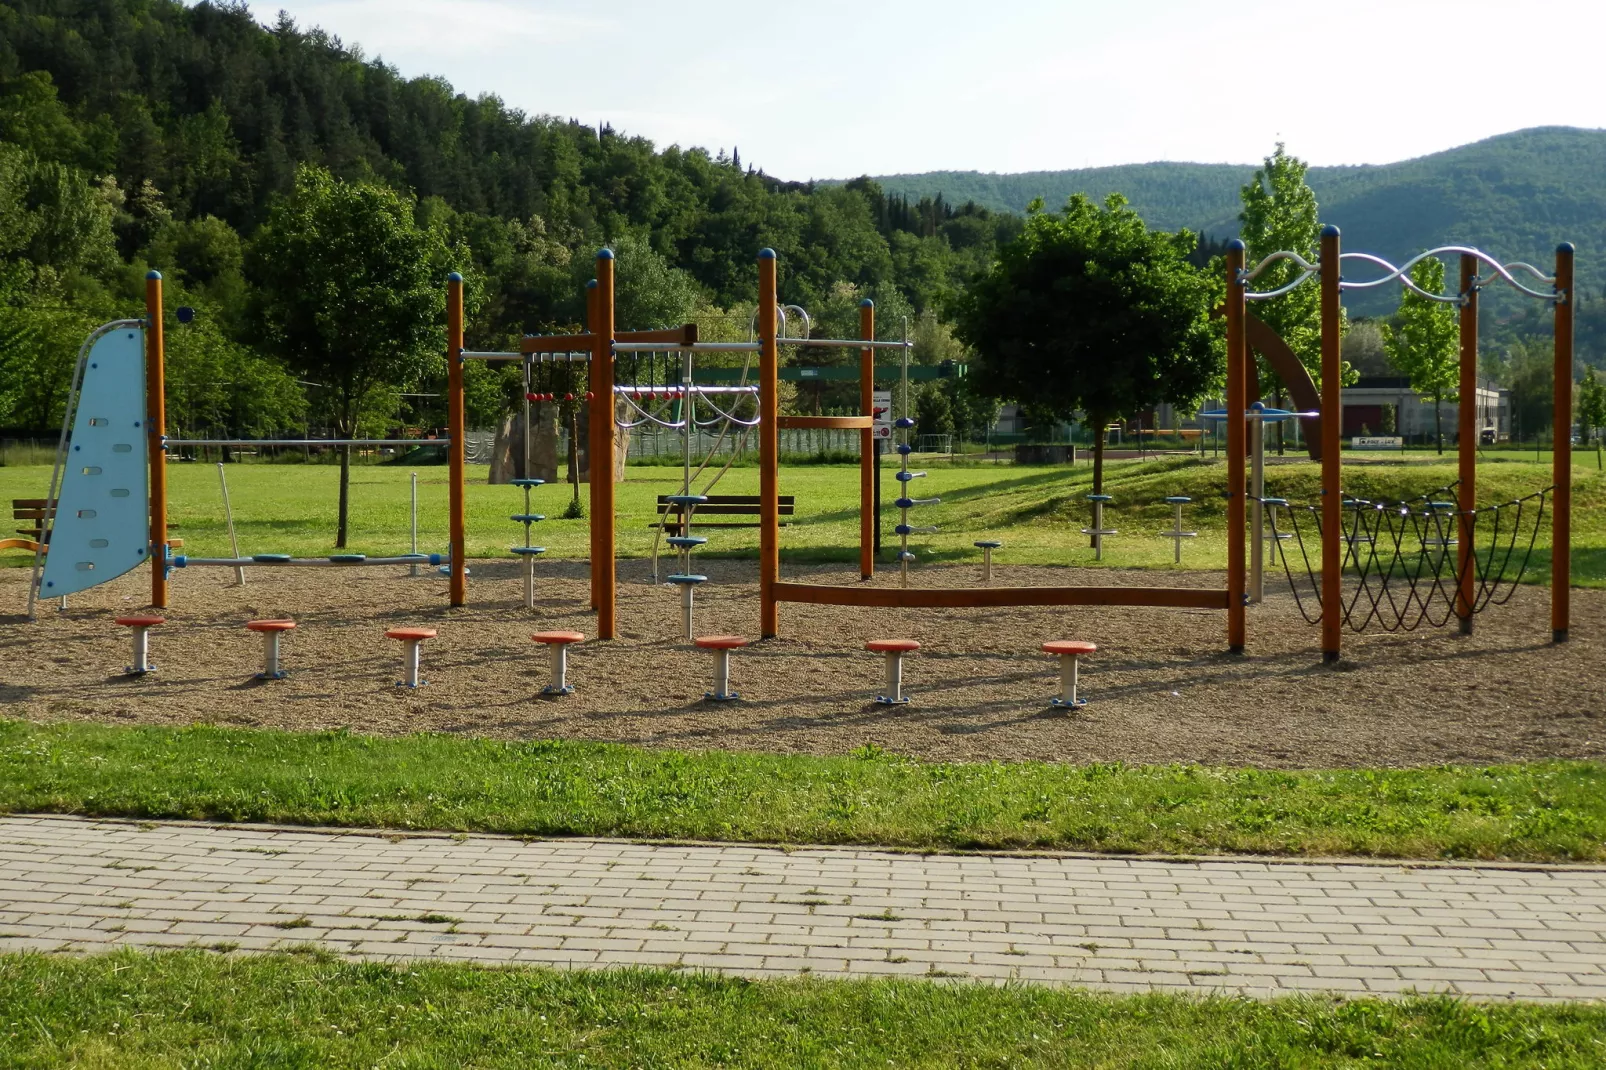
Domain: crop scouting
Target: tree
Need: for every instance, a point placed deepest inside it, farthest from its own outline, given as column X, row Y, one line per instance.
column 1591, row 404
column 351, row 295
column 1089, row 309
column 1279, row 215
column 1423, row 342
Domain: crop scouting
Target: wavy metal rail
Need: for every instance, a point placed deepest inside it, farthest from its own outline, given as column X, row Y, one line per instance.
column 1401, row 273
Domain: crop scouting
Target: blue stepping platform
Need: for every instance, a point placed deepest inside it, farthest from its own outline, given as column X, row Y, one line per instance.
column 685, row 580
column 686, row 540
column 527, row 549
column 529, row 482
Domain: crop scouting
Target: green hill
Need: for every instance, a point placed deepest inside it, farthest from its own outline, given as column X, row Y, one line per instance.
column 1515, row 195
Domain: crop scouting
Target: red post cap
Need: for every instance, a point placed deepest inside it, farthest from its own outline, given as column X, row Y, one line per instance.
column 410, row 633
column 1069, row 646
column 141, row 620
column 558, row 638
column 269, row 625
column 889, row 646
column 720, row 642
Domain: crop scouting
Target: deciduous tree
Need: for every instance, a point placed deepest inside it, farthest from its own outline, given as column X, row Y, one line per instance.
column 1422, row 342
column 1090, row 310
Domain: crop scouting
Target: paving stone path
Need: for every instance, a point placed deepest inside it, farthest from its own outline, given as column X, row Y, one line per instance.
column 1236, row 926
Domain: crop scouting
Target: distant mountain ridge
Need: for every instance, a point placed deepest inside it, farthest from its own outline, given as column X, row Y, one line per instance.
column 1514, row 195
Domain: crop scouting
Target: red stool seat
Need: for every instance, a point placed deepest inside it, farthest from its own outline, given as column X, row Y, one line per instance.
column 140, row 621
column 720, row 642
column 1069, row 646
column 892, row 646
column 558, row 638
column 410, row 633
column 270, row 625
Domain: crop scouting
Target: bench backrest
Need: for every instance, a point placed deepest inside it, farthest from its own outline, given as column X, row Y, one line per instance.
column 730, row 505
column 31, row 508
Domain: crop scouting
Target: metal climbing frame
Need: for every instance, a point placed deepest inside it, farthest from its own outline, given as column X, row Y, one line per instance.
column 1478, row 269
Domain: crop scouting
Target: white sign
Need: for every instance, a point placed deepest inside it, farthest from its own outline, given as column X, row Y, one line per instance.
column 1376, row 442
column 881, row 407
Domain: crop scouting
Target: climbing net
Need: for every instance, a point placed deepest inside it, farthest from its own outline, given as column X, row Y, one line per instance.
column 1401, row 561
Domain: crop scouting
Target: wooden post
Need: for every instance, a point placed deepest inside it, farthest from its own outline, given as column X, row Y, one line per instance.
column 1237, row 403
column 867, row 446
column 1561, row 502
column 155, row 432
column 602, row 496
column 769, row 447
column 1467, row 431
column 1332, row 465
column 456, row 453
column 594, row 420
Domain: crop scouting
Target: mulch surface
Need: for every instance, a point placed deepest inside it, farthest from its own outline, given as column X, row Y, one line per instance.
column 1162, row 687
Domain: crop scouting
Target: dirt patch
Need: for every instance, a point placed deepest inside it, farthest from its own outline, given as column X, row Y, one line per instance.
column 1162, row 687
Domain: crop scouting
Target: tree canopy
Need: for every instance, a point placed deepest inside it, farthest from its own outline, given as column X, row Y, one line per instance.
column 1423, row 341
column 1089, row 310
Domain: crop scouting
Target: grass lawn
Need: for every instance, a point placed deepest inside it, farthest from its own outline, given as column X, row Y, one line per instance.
column 1552, row 811
column 290, row 508
column 307, row 1010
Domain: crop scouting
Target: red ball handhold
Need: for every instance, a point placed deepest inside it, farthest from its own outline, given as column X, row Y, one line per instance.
column 531, row 397
column 568, row 397
column 590, row 396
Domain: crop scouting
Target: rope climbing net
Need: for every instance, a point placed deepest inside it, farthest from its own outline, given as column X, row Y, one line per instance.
column 1402, row 562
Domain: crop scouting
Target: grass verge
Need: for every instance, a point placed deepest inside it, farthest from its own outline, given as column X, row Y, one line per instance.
column 1551, row 811
column 195, row 1009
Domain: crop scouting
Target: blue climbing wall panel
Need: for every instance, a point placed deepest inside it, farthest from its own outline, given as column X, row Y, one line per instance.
column 103, row 508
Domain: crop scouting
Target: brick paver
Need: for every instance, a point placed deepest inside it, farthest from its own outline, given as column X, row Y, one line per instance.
column 1257, row 928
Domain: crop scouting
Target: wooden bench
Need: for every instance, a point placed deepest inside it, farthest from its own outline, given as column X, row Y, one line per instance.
column 36, row 511
column 33, row 511
column 719, row 505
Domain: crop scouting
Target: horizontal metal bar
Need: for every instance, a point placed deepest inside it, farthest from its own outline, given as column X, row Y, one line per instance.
column 676, row 347
column 844, row 343
column 308, row 562
column 534, row 358
column 696, row 388
column 307, row 442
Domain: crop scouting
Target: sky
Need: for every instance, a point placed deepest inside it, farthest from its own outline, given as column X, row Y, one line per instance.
column 834, row 89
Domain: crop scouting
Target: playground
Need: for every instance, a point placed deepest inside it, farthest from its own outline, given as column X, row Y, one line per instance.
column 1375, row 578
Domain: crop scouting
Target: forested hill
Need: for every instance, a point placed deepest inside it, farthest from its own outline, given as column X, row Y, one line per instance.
column 1517, row 195
column 195, row 111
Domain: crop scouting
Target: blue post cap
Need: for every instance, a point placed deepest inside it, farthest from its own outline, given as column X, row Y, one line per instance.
column 1100, row 498
column 605, row 253
column 904, row 421
column 903, row 529
column 455, row 276
column 592, row 285
column 866, row 303
column 988, row 544
column 1329, row 231
column 903, row 477
column 185, row 314
column 180, row 561
column 1237, row 245
column 1179, row 499
column 905, row 449
column 766, row 253
column 154, row 275
column 1565, row 247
